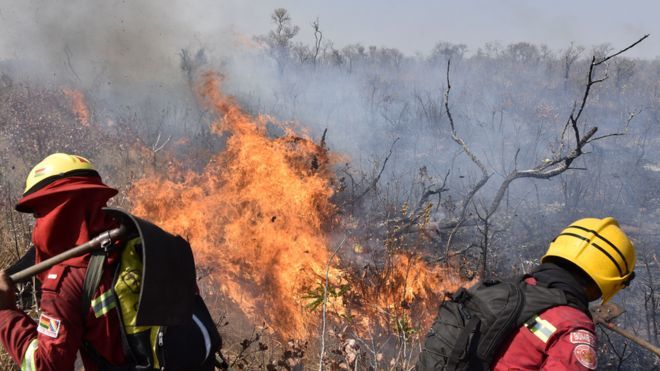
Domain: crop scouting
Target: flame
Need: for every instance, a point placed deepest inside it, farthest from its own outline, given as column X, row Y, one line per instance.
column 257, row 213
column 404, row 295
column 78, row 105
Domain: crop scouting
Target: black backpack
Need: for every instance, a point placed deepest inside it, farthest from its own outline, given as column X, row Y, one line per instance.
column 472, row 326
column 171, row 328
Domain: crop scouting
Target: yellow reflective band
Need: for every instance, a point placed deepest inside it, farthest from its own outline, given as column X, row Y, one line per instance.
column 104, row 303
column 541, row 328
column 127, row 293
column 28, row 360
column 154, row 346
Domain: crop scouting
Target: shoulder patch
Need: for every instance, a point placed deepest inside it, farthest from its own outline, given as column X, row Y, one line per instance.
column 49, row 326
column 583, row 337
column 586, row 355
column 541, row 328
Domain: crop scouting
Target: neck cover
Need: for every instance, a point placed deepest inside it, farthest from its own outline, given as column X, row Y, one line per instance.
column 557, row 277
column 68, row 218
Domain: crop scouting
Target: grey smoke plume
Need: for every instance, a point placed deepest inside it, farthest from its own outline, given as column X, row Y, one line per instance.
column 107, row 42
column 126, row 53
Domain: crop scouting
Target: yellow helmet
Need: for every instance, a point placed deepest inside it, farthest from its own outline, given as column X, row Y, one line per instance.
column 56, row 166
column 601, row 249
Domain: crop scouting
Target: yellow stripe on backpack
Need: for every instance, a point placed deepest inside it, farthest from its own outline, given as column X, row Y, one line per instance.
column 127, row 290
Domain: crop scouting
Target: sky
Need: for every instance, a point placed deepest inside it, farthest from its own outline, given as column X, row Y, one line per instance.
column 415, row 26
column 132, row 40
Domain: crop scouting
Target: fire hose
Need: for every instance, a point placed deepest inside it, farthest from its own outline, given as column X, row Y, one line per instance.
column 102, row 241
column 604, row 314
column 632, row 337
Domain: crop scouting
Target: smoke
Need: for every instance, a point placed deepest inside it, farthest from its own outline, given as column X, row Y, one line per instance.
column 112, row 45
column 508, row 101
column 122, row 60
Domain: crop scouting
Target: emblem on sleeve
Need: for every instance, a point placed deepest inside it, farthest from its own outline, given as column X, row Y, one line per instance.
column 48, row 326
column 583, row 337
column 586, row 355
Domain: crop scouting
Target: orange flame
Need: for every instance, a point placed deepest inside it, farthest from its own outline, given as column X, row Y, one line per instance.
column 78, row 105
column 257, row 213
column 403, row 296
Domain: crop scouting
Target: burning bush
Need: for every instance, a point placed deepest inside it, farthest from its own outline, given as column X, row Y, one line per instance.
column 257, row 213
column 260, row 217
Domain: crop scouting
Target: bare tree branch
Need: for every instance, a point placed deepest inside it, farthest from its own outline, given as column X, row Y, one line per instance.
column 318, row 37
column 380, row 173
column 484, row 172
column 410, row 223
column 325, row 132
column 623, row 50
column 431, row 191
column 606, row 136
column 158, row 145
column 67, row 52
column 558, row 165
column 542, row 171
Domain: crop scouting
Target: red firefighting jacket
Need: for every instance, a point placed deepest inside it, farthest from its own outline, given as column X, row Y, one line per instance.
column 61, row 330
column 68, row 212
column 559, row 338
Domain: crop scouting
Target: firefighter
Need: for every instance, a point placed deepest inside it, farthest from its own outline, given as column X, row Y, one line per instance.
column 590, row 259
column 65, row 194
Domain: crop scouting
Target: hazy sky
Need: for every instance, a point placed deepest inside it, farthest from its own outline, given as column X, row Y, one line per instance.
column 141, row 39
column 416, row 25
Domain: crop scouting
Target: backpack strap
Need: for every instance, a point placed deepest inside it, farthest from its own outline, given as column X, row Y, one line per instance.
column 90, row 285
column 460, row 349
column 92, row 278
column 95, row 272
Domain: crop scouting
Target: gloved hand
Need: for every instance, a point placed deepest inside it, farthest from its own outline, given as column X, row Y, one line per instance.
column 7, row 291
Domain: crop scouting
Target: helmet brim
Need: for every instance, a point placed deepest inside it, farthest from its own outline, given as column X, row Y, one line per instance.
column 26, row 203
